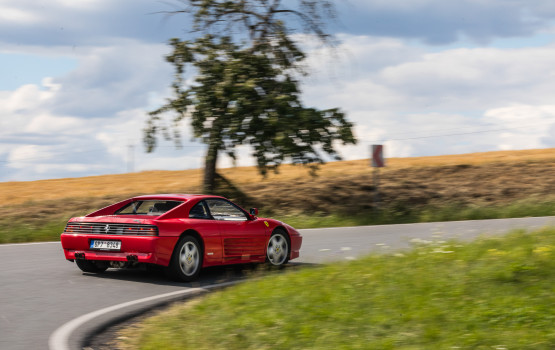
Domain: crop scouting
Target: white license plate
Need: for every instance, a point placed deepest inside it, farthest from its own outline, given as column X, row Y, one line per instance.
column 105, row 245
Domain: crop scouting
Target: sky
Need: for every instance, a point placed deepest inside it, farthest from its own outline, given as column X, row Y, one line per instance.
column 422, row 77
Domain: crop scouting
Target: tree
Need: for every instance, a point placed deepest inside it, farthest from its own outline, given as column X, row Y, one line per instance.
column 246, row 88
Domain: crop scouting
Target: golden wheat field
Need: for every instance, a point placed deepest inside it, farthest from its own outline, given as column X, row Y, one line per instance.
column 490, row 166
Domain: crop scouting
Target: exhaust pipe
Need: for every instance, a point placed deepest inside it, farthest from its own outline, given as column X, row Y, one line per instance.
column 132, row 258
column 80, row 256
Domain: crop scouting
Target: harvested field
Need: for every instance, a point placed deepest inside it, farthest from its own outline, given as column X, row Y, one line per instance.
column 407, row 185
column 190, row 180
column 484, row 184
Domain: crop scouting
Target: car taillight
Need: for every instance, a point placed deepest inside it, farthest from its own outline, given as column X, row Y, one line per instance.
column 147, row 231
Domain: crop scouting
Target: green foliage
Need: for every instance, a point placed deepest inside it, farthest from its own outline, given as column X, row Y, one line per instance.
column 244, row 97
column 494, row 293
column 246, row 88
column 21, row 232
column 517, row 209
column 403, row 213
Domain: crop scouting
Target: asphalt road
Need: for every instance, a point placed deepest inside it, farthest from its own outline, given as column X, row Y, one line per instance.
column 40, row 291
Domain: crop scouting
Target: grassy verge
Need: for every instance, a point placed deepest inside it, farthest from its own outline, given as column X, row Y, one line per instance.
column 494, row 293
column 401, row 214
column 21, row 232
column 39, row 221
column 24, row 226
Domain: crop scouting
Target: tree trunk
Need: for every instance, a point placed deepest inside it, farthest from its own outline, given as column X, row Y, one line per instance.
column 209, row 184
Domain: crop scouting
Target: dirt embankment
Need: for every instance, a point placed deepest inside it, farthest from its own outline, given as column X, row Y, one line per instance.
column 463, row 184
column 481, row 179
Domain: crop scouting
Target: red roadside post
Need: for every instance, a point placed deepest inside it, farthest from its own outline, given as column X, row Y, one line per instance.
column 377, row 162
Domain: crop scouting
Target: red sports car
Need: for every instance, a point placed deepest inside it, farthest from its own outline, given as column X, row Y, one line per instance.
column 180, row 232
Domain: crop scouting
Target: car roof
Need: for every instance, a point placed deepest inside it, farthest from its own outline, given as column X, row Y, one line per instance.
column 174, row 196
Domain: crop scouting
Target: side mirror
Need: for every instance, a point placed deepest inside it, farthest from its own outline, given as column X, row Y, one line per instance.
column 253, row 211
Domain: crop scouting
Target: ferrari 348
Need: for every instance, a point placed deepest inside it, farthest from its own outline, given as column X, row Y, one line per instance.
column 180, row 232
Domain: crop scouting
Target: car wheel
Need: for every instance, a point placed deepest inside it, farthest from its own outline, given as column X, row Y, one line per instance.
column 186, row 261
column 90, row 266
column 277, row 251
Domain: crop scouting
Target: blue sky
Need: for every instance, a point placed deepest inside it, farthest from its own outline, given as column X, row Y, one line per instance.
column 424, row 77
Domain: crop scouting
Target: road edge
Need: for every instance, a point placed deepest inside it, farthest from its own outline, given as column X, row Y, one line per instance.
column 73, row 334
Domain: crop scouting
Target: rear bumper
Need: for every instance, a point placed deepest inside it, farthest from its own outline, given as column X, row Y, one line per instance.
column 146, row 249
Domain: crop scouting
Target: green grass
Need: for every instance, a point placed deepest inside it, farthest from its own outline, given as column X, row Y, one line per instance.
column 44, row 220
column 17, row 232
column 495, row 293
column 522, row 208
column 47, row 224
column 401, row 214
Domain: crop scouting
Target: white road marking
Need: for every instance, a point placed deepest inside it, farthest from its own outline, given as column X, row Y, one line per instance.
column 25, row 244
column 59, row 340
column 346, row 249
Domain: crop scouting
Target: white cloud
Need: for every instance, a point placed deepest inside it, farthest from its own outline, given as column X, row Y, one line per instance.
column 114, row 78
column 192, row 160
column 20, row 155
column 442, row 22
column 452, row 101
column 83, row 23
column 530, row 126
column 456, row 79
column 24, row 98
column 417, row 100
column 15, row 15
column 47, row 124
column 87, row 5
column 96, row 22
column 88, row 117
column 464, row 78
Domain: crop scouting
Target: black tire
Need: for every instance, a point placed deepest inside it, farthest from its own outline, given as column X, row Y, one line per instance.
column 91, row 266
column 278, row 248
column 186, row 261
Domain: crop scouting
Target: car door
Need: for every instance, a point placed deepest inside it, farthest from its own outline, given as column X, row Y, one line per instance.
column 243, row 239
column 202, row 222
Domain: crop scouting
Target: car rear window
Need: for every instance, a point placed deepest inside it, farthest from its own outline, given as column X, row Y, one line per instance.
column 148, row 207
